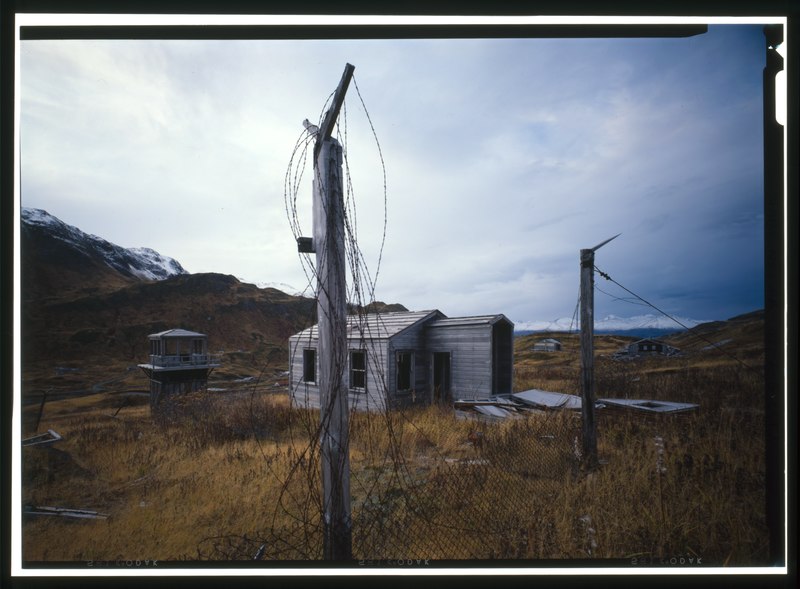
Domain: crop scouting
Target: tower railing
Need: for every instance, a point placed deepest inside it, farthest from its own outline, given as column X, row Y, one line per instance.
column 177, row 360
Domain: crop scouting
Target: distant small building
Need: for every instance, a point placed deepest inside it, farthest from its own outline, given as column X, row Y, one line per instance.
column 403, row 358
column 179, row 362
column 547, row 345
column 651, row 346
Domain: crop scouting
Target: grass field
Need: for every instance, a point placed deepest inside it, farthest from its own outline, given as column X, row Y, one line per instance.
column 226, row 475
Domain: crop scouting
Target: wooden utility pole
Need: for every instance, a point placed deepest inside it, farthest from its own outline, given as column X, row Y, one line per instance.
column 589, row 427
column 328, row 244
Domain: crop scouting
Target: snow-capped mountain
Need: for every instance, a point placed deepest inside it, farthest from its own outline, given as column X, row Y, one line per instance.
column 140, row 262
column 613, row 323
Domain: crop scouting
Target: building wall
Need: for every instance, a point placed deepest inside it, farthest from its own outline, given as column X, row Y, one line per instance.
column 305, row 394
column 410, row 340
column 470, row 350
column 547, row 347
column 471, row 367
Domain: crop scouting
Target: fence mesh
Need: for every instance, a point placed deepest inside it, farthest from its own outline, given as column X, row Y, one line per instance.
column 425, row 483
column 458, row 491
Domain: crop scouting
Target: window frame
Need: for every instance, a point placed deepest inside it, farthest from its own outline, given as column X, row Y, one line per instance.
column 362, row 371
column 309, row 365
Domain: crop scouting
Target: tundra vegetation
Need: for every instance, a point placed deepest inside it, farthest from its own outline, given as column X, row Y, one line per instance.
column 228, row 475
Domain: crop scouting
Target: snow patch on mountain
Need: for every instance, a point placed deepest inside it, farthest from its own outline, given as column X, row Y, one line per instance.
column 150, row 265
column 141, row 262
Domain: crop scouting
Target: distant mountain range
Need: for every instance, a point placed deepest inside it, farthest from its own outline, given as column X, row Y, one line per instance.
column 84, row 297
column 638, row 326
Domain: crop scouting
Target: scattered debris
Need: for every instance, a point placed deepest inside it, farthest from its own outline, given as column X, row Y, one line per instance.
column 548, row 400
column 492, row 411
column 476, row 439
column 650, row 406
column 50, row 437
column 64, row 512
column 467, row 461
column 538, row 401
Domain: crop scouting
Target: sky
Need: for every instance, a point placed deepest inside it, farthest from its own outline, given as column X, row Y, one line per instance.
column 503, row 158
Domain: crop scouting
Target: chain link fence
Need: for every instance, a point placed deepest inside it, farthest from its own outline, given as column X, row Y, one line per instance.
column 426, row 483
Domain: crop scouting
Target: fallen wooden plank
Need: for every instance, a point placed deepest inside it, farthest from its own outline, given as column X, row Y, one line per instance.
column 64, row 512
column 47, row 438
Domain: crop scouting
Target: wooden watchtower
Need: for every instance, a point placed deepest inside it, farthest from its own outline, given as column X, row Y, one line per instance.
column 179, row 363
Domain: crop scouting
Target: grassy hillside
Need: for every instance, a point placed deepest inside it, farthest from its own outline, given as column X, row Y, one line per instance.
column 225, row 475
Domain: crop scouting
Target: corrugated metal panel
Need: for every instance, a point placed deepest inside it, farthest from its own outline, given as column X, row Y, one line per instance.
column 548, row 400
column 492, row 411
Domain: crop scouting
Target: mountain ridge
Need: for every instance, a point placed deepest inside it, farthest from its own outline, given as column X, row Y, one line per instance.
column 84, row 297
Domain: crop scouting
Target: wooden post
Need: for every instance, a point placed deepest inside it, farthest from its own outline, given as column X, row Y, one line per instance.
column 329, row 244
column 41, row 411
column 588, row 427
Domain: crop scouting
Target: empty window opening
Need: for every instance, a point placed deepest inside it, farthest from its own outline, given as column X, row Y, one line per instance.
column 310, row 365
column 358, row 369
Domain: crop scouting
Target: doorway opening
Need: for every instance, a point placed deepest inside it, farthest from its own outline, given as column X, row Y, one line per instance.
column 441, row 377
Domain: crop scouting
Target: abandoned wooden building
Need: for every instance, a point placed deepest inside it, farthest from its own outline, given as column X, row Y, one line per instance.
column 651, row 346
column 179, row 362
column 547, row 345
column 404, row 358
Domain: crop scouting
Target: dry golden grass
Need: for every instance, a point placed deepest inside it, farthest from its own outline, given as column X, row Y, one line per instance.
column 220, row 475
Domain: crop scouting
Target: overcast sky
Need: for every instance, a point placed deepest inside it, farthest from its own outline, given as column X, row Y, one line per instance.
column 503, row 158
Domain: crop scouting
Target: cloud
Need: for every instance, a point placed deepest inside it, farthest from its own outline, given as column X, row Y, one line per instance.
column 503, row 158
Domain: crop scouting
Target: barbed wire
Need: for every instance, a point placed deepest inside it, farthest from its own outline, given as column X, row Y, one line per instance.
column 396, row 501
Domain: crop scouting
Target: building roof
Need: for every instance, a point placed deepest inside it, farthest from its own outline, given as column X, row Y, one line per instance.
column 377, row 325
column 387, row 325
column 175, row 333
column 648, row 340
column 468, row 321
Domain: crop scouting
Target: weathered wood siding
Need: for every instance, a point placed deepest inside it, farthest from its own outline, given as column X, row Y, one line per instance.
column 411, row 340
column 470, row 350
column 480, row 348
column 306, row 394
column 481, row 355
